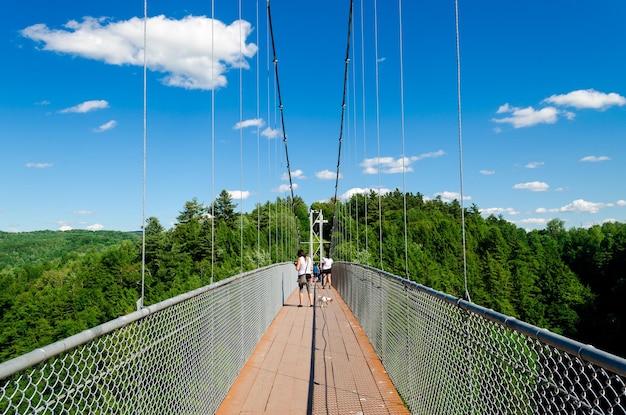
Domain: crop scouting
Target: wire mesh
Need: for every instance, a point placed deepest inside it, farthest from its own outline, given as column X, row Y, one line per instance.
column 177, row 357
column 444, row 355
column 447, row 356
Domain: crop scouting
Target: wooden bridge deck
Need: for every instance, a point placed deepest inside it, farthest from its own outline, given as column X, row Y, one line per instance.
column 343, row 375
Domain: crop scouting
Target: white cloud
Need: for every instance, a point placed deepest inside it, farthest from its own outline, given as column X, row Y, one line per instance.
column 95, row 227
column 39, row 165
column 64, row 228
column 327, row 175
column 532, row 186
column 87, row 106
column 447, row 196
column 487, row 172
column 534, row 164
column 256, row 122
column 568, row 114
column 362, row 191
column 580, row 99
column 504, row 108
column 179, row 48
column 238, row 194
column 354, row 191
column 581, row 205
column 533, row 221
column 84, row 212
column 284, row 188
column 106, row 126
column 587, row 98
column 389, row 165
column 270, row 133
column 526, row 117
column 432, row 154
column 595, row 158
column 499, row 211
column 296, row 174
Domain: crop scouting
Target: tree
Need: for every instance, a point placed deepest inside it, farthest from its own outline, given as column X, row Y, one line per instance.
column 193, row 210
column 224, row 208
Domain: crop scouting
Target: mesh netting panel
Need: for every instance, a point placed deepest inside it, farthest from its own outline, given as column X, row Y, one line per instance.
column 177, row 357
column 447, row 357
column 444, row 355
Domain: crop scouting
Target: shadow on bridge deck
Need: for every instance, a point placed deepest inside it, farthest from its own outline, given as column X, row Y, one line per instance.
column 343, row 376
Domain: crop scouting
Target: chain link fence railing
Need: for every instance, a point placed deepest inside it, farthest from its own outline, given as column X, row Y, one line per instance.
column 177, row 357
column 444, row 355
column 448, row 356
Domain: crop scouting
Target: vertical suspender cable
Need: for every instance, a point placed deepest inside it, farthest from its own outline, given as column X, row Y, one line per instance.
column 269, row 146
column 348, row 227
column 380, row 213
column 145, row 129
column 354, row 133
column 364, row 108
column 406, row 242
column 240, row 147
column 280, row 107
column 241, row 326
column 458, row 97
column 258, row 150
column 212, row 140
column 343, row 111
column 143, row 213
column 212, row 341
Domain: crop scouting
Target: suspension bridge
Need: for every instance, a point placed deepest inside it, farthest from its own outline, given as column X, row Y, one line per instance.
column 384, row 345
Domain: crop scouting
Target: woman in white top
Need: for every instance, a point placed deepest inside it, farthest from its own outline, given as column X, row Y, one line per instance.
column 327, row 265
column 304, row 265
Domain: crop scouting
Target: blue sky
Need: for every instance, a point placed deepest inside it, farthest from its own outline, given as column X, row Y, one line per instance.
column 542, row 97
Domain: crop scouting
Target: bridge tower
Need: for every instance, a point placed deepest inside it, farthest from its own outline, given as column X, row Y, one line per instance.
column 316, row 239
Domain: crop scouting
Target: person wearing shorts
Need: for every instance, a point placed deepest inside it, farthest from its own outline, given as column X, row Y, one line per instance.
column 326, row 265
column 305, row 280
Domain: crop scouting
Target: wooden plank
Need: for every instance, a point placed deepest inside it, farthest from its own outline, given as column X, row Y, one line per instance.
column 348, row 376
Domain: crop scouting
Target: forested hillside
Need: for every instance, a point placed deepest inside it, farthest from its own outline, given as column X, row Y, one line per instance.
column 80, row 284
column 32, row 247
column 572, row 282
column 569, row 281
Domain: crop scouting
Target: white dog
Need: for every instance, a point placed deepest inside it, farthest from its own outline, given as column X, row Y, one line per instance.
column 323, row 300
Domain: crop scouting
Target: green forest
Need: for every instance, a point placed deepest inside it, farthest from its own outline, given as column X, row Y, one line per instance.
column 55, row 284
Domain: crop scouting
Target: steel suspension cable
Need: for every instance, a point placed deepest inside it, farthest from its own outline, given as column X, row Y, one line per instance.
column 348, row 228
column 269, row 146
column 240, row 145
column 212, row 141
column 354, row 133
column 460, row 124
column 406, row 239
column 365, row 196
column 145, row 135
column 280, row 101
column 258, row 149
column 343, row 113
column 380, row 212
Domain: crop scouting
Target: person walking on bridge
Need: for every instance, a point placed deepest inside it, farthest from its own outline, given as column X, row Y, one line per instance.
column 304, row 266
column 326, row 265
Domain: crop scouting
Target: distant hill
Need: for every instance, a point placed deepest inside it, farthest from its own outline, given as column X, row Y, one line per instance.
column 17, row 249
